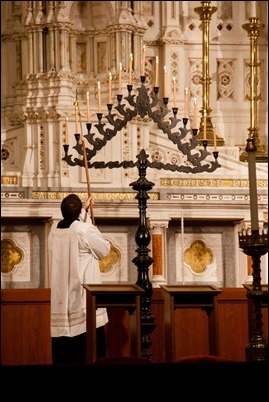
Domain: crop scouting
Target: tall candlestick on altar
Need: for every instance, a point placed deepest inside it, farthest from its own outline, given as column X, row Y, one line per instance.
column 99, row 96
column 143, row 60
column 194, row 123
column 109, row 87
column 157, row 72
column 66, row 130
column 130, row 68
column 164, row 81
column 88, row 107
column 120, row 84
column 205, row 125
column 76, row 117
column 186, row 103
column 253, row 11
column 174, row 91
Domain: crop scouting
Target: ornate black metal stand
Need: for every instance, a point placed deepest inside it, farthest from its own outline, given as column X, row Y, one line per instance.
column 143, row 260
column 256, row 245
column 194, row 161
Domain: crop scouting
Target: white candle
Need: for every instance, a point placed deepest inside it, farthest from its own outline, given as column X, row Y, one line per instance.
column 88, row 107
column 205, row 125
column 143, row 60
column 215, row 137
column 130, row 68
column 253, row 190
column 109, row 87
column 164, row 82
column 76, row 116
column 186, row 103
column 66, row 130
column 99, row 96
column 120, row 85
column 174, row 91
column 195, row 124
column 157, row 72
column 253, row 11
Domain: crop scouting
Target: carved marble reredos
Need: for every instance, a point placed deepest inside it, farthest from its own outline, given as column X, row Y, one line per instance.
column 35, row 103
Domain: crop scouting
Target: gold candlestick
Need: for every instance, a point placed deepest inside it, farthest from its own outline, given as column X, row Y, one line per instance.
column 254, row 28
column 205, row 12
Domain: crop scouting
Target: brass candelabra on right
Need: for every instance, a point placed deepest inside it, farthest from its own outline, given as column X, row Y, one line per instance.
column 254, row 28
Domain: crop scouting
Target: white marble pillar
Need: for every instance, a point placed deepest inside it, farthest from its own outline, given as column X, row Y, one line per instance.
column 72, row 52
column 34, row 60
column 51, row 49
column 240, row 271
column 40, row 51
column 56, row 49
column 27, row 177
column 30, row 53
column 52, row 155
column 42, row 145
column 62, row 49
column 47, row 227
column 118, row 51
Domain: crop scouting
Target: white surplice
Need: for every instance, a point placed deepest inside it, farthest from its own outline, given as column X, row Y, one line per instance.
column 73, row 260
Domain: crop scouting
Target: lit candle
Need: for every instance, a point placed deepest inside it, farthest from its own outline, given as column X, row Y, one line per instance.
column 253, row 13
column 164, row 82
column 215, row 137
column 186, row 103
column 66, row 130
column 157, row 72
column 76, row 116
column 109, row 87
column 174, row 90
column 205, row 125
column 143, row 60
column 120, row 86
column 88, row 107
column 99, row 96
column 130, row 68
column 195, row 124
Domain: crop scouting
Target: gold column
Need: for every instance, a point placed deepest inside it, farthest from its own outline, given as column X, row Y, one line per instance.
column 205, row 12
column 254, row 28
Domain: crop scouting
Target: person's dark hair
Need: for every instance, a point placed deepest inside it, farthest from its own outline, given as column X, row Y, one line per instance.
column 71, row 207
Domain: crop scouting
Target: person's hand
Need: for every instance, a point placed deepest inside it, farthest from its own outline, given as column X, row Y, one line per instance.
column 88, row 202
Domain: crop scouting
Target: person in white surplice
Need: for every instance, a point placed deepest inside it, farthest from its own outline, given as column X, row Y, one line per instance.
column 74, row 248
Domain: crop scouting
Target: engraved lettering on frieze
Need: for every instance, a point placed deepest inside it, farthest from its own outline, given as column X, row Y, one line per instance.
column 42, row 195
column 228, row 183
column 5, row 180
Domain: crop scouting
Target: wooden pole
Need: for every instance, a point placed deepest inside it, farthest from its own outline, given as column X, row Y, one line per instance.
column 86, row 165
column 88, row 179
